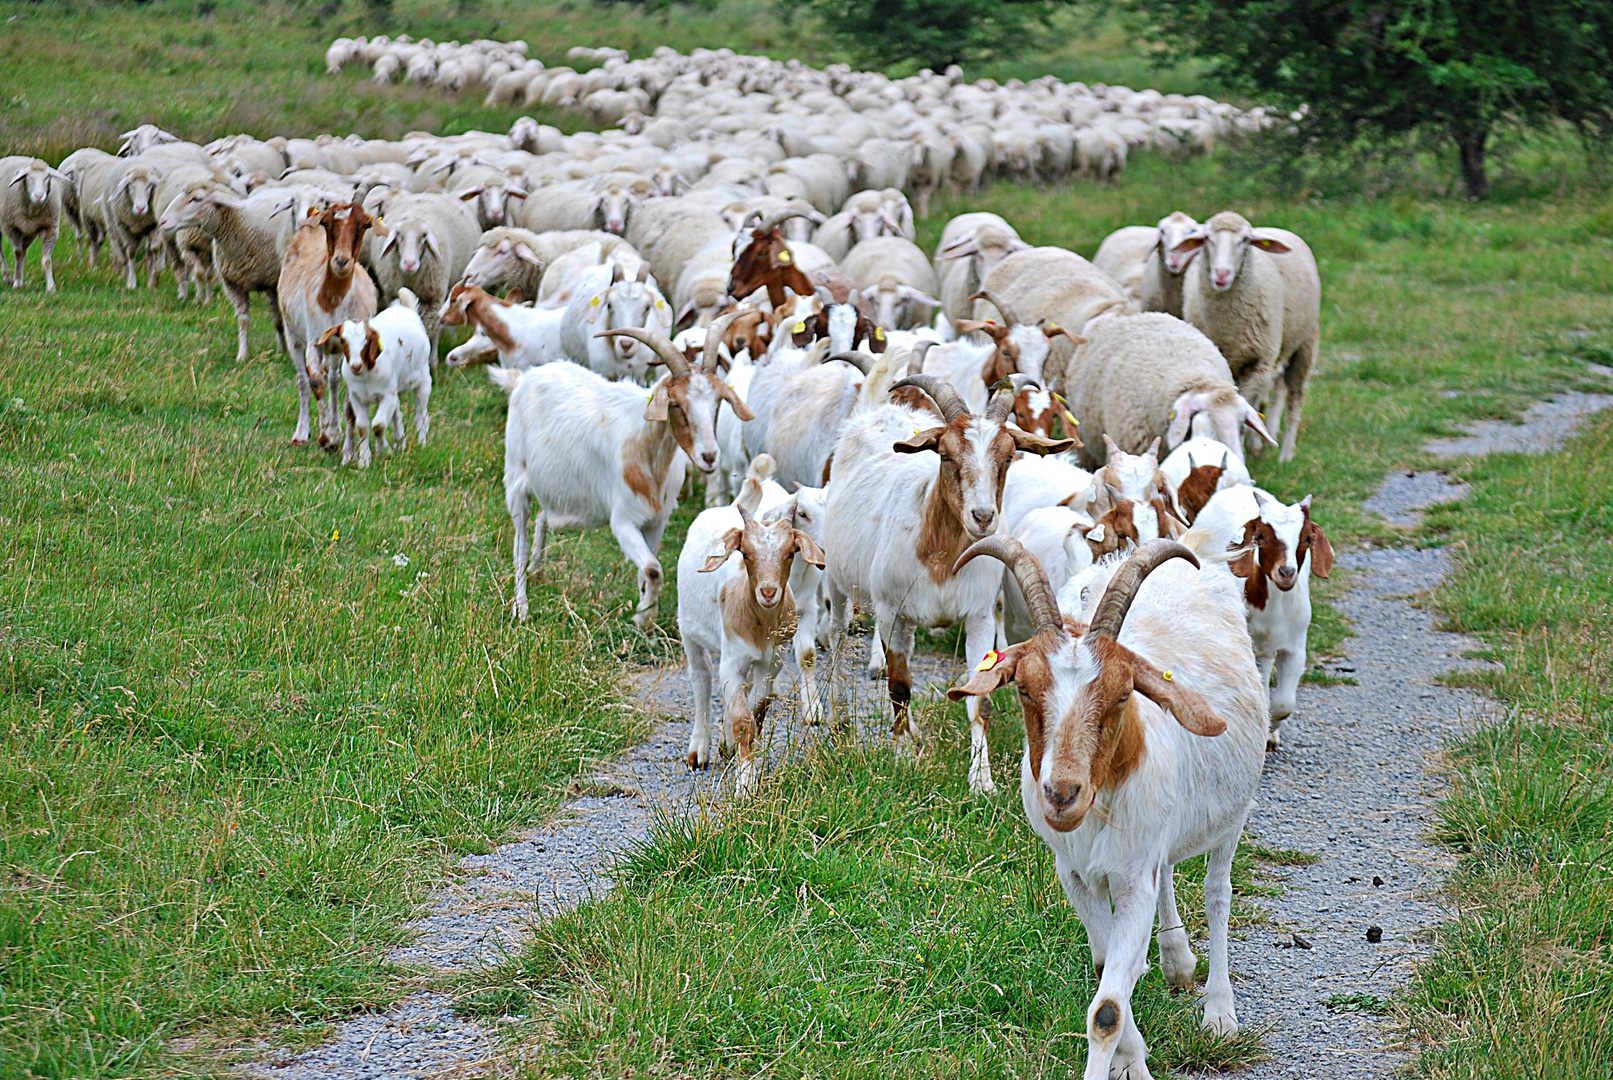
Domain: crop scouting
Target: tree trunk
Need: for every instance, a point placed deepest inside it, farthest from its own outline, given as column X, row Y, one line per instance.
column 1470, row 149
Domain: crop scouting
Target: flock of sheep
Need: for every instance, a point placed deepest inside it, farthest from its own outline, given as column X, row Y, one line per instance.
column 871, row 419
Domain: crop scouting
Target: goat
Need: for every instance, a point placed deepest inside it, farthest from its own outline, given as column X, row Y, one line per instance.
column 322, row 285
column 380, row 359
column 1142, row 748
column 1276, row 573
column 520, row 337
column 898, row 517
column 593, row 454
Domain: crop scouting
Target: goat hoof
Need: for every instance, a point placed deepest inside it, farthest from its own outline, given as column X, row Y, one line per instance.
column 299, row 442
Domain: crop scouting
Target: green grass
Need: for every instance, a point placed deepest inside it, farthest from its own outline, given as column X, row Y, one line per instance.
column 1523, row 980
column 240, row 742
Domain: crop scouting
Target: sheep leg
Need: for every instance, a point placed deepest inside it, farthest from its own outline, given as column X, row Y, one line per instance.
column 152, row 265
column 631, row 540
column 1096, row 915
column 518, row 500
column 700, row 687
column 241, row 301
column 19, row 255
column 898, row 636
column 1220, row 1016
column 1114, row 1045
column 282, row 339
column 1295, row 378
column 1290, row 664
column 1176, row 957
column 978, row 632
column 47, row 244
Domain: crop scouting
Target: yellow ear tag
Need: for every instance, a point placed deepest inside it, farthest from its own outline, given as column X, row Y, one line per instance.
column 879, row 335
column 1069, row 419
column 800, row 328
column 1172, row 416
column 594, row 302
column 1262, row 416
column 660, row 305
column 989, row 661
column 1167, row 676
column 784, row 256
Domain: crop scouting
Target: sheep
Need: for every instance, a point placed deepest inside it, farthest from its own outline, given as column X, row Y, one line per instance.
column 1058, row 286
column 519, row 337
column 592, row 453
column 143, row 138
column 567, row 273
column 380, row 358
column 735, row 603
column 429, row 242
column 702, row 289
column 899, row 278
column 1275, row 541
column 897, row 519
column 507, row 258
column 931, row 168
column 1100, row 154
column 668, row 232
column 1257, row 295
column 322, row 285
column 188, row 251
column 243, row 234
column 30, row 207
column 1122, row 256
column 1155, row 713
column 79, row 167
column 859, row 219
column 1144, row 263
column 491, row 189
column 1140, row 377
column 607, row 300
column 131, row 218
column 971, row 244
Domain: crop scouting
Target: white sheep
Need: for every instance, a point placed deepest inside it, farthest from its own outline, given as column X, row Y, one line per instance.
column 30, row 208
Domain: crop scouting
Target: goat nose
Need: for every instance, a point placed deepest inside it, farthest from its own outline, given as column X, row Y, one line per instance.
column 1061, row 795
column 984, row 518
column 769, row 593
column 709, row 459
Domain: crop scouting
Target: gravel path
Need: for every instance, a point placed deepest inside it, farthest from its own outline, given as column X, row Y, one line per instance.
column 1353, row 784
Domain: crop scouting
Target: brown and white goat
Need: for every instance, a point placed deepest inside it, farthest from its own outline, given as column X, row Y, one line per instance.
column 908, row 497
column 767, row 263
column 741, row 611
column 322, row 285
column 1143, row 747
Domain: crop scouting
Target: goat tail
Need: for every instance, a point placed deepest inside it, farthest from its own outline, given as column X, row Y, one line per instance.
column 504, row 378
column 408, row 299
column 762, row 468
column 1215, row 540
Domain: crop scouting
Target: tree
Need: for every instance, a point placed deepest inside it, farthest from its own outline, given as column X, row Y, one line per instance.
column 934, row 33
column 1384, row 68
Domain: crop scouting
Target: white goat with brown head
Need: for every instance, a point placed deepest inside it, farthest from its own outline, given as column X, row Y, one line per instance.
column 1144, row 737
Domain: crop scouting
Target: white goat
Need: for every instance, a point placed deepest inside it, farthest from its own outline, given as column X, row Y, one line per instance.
column 381, row 357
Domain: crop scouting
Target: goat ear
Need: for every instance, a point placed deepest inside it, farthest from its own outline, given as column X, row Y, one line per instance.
column 656, row 409
column 333, row 332
column 988, row 677
column 596, row 309
column 1188, row 706
column 1321, row 550
column 372, row 348
column 730, row 541
column 809, row 549
column 735, row 402
column 1033, row 443
column 1246, row 565
column 920, row 442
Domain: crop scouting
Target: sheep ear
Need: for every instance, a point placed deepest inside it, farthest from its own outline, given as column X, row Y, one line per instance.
column 1189, row 243
column 730, row 541
column 391, row 241
column 1188, row 706
column 655, row 411
column 920, row 442
column 1268, row 243
column 431, row 243
column 526, row 254
column 1256, row 423
column 809, row 549
column 467, row 196
column 988, row 677
column 1185, row 408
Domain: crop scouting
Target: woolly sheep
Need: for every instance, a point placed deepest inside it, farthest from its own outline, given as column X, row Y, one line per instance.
column 1058, row 286
column 30, row 207
column 430, row 240
column 897, row 277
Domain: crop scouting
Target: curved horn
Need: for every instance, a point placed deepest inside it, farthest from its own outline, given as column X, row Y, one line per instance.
column 1002, row 401
column 773, row 221
column 859, row 360
column 1044, row 609
column 941, row 392
column 657, row 341
column 1128, row 579
column 1009, row 315
column 714, row 335
column 917, row 354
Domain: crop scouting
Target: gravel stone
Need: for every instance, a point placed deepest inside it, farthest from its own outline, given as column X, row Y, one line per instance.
column 1546, row 426
column 1404, row 495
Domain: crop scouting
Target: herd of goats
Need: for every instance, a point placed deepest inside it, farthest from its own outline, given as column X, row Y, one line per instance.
column 893, row 418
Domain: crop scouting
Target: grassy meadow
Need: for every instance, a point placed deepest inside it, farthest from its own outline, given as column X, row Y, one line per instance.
column 252, row 705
